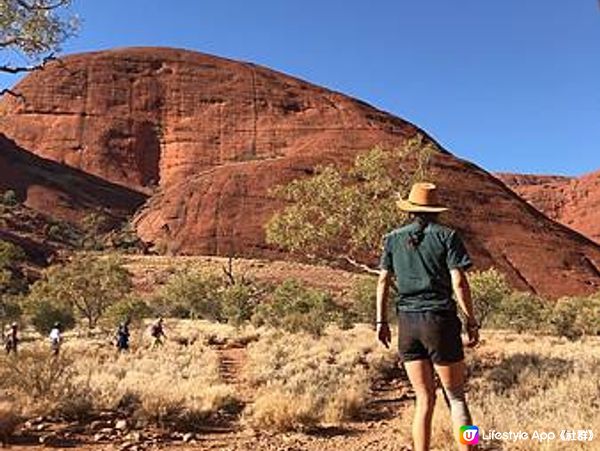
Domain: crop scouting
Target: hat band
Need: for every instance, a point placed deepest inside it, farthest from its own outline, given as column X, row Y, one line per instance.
column 421, row 205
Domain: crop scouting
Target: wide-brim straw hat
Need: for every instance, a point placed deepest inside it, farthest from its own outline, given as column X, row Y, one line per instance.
column 422, row 199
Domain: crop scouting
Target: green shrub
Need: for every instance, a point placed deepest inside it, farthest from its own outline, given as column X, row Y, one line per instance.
column 9, row 198
column 133, row 308
column 573, row 317
column 88, row 285
column 295, row 308
column 488, row 289
column 364, row 297
column 190, row 293
column 239, row 302
column 521, row 311
column 45, row 313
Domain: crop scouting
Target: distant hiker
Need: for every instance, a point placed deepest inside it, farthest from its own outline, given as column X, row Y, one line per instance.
column 11, row 340
column 428, row 261
column 55, row 338
column 158, row 333
column 123, row 336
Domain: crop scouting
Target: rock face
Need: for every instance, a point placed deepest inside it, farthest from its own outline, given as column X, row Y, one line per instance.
column 573, row 201
column 206, row 138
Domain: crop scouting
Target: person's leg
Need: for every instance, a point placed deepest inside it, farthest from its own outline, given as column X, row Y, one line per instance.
column 452, row 376
column 420, row 374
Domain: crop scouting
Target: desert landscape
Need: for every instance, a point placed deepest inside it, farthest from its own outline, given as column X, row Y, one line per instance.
column 243, row 210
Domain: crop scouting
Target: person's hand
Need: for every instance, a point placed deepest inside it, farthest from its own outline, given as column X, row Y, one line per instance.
column 384, row 335
column 472, row 333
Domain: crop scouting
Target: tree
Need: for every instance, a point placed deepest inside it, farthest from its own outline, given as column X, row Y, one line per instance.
column 89, row 285
column 12, row 282
column 33, row 31
column 343, row 214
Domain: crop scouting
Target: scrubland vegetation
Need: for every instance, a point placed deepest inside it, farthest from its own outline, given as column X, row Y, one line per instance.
column 309, row 357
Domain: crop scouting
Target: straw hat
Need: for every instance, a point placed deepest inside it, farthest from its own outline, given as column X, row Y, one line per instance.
column 422, row 199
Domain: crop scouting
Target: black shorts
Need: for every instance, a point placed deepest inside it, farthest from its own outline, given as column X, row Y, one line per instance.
column 431, row 335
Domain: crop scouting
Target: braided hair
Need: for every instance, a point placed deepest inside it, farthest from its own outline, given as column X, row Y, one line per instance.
column 422, row 220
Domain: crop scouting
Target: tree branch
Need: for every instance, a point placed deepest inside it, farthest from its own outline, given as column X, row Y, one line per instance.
column 358, row 265
column 42, row 7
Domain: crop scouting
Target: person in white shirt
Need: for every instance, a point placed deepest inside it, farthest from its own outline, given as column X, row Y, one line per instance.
column 55, row 338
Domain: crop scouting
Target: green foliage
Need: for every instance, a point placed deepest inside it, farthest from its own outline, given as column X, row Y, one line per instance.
column 364, row 296
column 89, row 285
column 44, row 314
column 33, row 29
column 337, row 213
column 488, row 289
column 10, row 255
column 521, row 311
column 9, row 198
column 94, row 226
column 10, row 309
column 131, row 307
column 239, row 301
column 190, row 293
column 573, row 317
column 295, row 308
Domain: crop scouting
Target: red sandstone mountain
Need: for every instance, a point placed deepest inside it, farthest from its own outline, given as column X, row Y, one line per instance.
column 206, row 138
column 572, row 201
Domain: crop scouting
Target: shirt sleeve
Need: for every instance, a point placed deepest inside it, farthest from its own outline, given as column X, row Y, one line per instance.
column 457, row 255
column 386, row 262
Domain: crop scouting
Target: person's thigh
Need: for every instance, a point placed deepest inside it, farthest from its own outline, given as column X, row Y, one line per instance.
column 420, row 374
column 451, row 374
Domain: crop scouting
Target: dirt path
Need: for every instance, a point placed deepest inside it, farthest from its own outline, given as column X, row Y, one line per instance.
column 232, row 362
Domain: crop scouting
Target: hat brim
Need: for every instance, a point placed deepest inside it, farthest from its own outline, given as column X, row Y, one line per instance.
column 410, row 207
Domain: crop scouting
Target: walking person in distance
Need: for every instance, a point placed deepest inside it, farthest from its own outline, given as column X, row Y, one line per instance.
column 428, row 261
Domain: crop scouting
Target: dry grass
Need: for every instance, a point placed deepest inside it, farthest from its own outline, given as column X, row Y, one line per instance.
column 303, row 382
column 527, row 383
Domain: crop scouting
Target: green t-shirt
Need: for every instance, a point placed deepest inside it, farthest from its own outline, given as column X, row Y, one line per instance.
column 423, row 271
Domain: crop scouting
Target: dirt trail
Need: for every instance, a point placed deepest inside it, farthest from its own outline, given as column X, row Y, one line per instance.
column 232, row 362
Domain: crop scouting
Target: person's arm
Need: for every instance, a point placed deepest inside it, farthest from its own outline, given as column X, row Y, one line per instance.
column 462, row 291
column 383, row 287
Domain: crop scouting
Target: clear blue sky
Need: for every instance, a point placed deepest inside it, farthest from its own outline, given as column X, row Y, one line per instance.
column 509, row 84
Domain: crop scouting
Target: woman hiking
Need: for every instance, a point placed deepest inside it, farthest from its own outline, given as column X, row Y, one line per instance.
column 428, row 261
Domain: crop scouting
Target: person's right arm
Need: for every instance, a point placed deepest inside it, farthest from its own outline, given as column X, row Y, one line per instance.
column 462, row 291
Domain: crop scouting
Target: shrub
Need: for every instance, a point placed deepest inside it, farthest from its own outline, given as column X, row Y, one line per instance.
column 521, row 311
column 9, row 198
column 132, row 307
column 9, row 420
column 364, row 297
column 190, row 293
column 39, row 376
column 239, row 302
column 573, row 317
column 294, row 308
column 488, row 289
column 89, row 285
column 45, row 313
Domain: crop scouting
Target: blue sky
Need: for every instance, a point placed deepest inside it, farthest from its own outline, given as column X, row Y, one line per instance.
column 512, row 85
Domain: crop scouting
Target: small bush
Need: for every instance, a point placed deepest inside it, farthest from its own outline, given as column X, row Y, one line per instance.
column 9, row 198
column 9, row 420
column 364, row 297
column 573, row 317
column 40, row 377
column 488, row 289
column 239, row 302
column 190, row 294
column 521, row 311
column 44, row 314
column 133, row 308
column 294, row 308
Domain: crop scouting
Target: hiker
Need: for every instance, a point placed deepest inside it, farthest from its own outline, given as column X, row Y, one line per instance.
column 158, row 333
column 11, row 340
column 123, row 336
column 55, row 338
column 428, row 261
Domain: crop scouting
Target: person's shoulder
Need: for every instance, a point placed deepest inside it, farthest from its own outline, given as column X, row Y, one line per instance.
column 399, row 231
column 442, row 229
